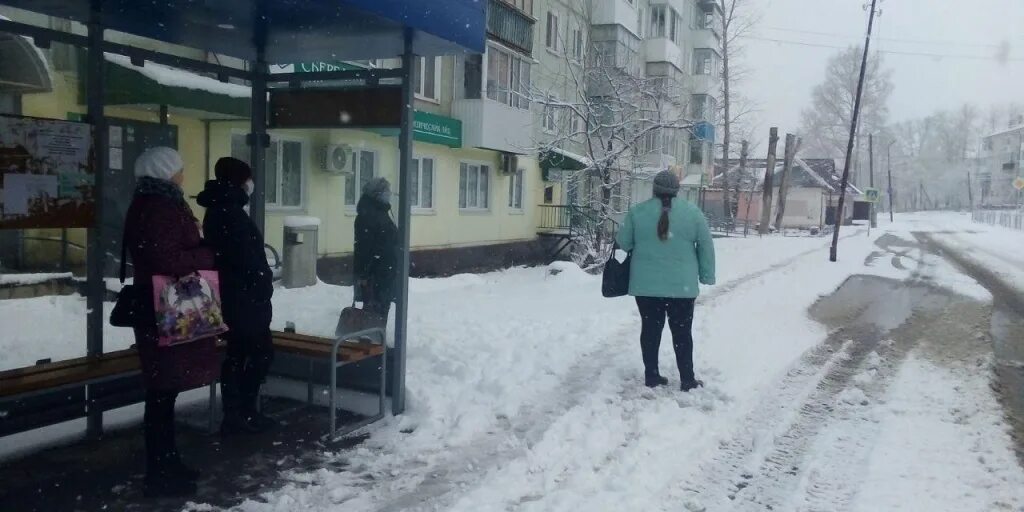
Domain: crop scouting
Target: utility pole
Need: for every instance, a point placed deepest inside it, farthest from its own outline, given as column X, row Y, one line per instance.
column 766, row 198
column 792, row 144
column 871, row 177
column 970, row 191
column 888, row 157
column 834, row 250
column 744, row 147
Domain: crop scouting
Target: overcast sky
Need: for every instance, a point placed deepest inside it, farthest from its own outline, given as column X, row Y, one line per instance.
column 783, row 74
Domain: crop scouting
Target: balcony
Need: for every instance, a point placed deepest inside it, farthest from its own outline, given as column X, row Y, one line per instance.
column 707, row 38
column 662, row 49
column 615, row 12
column 510, row 26
column 493, row 125
column 705, row 84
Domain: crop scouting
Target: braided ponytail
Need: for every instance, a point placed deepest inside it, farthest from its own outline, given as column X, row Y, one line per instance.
column 666, row 206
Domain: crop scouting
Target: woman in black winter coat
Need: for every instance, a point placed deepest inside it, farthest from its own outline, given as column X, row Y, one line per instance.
column 247, row 285
column 376, row 248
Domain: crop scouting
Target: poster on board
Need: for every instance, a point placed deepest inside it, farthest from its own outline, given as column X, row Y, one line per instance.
column 46, row 174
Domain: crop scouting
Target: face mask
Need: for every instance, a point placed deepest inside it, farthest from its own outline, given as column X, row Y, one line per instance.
column 249, row 187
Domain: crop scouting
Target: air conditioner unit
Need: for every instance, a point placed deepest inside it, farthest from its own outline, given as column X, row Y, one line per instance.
column 337, row 159
column 509, row 163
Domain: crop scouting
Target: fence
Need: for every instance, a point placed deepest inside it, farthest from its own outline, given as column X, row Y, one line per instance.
column 1013, row 219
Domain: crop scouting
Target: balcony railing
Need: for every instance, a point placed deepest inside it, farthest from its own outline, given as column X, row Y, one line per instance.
column 510, row 26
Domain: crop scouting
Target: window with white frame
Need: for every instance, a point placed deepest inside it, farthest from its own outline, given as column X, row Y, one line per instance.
column 284, row 162
column 705, row 62
column 423, row 183
column 365, row 170
column 549, row 117
column 508, row 78
column 551, row 34
column 577, row 43
column 474, row 186
column 426, row 78
column 515, row 190
column 666, row 22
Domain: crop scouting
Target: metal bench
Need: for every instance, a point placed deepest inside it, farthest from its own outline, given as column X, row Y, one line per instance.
column 331, row 355
column 54, row 392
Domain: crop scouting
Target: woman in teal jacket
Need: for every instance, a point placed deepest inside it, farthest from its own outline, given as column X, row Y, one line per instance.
column 671, row 252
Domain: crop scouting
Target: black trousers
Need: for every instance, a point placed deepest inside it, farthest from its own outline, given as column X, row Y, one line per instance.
column 679, row 312
column 158, row 429
column 245, row 368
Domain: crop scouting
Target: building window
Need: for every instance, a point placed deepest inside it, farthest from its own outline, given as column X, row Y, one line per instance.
column 549, row 194
column 575, row 123
column 577, row 44
column 551, row 36
column 666, row 22
column 515, row 190
column 508, row 78
column 696, row 151
column 474, row 186
column 473, row 77
column 549, row 117
column 425, row 80
column 284, row 161
column 423, row 183
column 366, row 169
column 705, row 62
column 703, row 107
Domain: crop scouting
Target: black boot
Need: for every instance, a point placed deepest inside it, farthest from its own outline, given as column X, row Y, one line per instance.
column 691, row 385
column 653, row 381
column 165, row 480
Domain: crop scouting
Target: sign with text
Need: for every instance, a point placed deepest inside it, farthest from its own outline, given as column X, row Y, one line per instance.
column 46, row 174
column 872, row 195
column 356, row 107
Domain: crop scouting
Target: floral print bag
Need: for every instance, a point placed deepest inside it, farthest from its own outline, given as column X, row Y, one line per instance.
column 187, row 308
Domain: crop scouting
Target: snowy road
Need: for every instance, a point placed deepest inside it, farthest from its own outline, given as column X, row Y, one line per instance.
column 863, row 385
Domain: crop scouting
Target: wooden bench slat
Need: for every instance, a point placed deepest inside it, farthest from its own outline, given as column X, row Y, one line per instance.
column 65, row 364
column 91, row 370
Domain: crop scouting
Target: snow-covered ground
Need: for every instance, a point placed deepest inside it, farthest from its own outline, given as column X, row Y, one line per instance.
column 525, row 391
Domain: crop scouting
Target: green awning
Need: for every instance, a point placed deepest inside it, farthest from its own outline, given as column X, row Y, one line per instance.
column 156, row 84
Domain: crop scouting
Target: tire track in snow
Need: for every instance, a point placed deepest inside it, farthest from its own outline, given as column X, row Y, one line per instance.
column 439, row 484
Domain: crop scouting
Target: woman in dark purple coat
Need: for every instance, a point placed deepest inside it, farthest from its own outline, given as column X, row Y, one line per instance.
column 163, row 238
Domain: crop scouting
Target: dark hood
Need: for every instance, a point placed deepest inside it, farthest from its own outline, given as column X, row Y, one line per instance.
column 222, row 194
column 370, row 204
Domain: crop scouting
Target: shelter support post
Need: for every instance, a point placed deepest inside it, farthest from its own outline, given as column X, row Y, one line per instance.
column 95, row 244
column 404, row 225
column 258, row 141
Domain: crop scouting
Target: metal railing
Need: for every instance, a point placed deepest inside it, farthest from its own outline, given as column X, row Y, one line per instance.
column 510, row 26
column 1012, row 219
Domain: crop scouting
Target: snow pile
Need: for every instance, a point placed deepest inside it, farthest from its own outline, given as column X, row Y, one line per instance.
column 299, row 221
column 30, row 279
column 173, row 77
column 51, row 327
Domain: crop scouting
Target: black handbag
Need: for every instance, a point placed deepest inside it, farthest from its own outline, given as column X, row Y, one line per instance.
column 128, row 307
column 615, row 279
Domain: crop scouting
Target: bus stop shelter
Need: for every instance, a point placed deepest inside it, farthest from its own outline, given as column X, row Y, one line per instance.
column 253, row 35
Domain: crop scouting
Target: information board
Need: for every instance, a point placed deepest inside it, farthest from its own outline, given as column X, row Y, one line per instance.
column 46, row 174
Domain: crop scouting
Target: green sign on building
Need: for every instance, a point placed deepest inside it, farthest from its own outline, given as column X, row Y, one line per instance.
column 436, row 129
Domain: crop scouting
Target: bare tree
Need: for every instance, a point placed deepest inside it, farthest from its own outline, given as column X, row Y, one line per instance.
column 826, row 123
column 619, row 123
column 736, row 22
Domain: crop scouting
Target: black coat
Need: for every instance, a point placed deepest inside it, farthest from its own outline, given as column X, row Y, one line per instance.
column 246, row 281
column 376, row 249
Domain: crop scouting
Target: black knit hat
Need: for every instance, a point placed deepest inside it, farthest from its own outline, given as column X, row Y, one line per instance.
column 232, row 170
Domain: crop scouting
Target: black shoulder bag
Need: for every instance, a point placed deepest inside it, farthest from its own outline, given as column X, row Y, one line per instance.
column 615, row 279
column 127, row 309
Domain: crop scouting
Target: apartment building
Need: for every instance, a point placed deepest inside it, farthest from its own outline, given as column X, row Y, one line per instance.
column 1002, row 155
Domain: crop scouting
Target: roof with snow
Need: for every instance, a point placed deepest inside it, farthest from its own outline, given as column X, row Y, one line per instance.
column 1012, row 129
column 807, row 172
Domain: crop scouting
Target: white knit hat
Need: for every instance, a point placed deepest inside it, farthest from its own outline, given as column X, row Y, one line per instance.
column 160, row 162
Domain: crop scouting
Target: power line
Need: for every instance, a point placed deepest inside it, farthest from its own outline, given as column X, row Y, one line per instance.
column 933, row 42
column 889, row 52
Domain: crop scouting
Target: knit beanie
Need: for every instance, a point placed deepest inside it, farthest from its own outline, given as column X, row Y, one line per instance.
column 160, row 163
column 232, row 170
column 666, row 183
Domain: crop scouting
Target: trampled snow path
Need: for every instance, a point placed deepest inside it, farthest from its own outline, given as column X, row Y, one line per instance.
column 795, row 417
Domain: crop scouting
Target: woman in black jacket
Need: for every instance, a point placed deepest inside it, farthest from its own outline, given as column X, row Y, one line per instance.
column 247, row 285
column 376, row 248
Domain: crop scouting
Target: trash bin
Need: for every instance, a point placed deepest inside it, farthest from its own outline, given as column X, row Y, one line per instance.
column 300, row 252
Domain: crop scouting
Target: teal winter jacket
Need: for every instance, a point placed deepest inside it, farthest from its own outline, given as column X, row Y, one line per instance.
column 668, row 268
